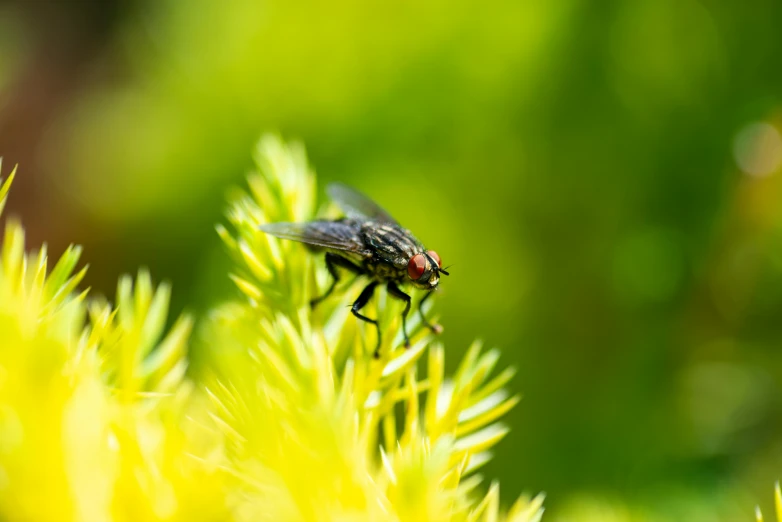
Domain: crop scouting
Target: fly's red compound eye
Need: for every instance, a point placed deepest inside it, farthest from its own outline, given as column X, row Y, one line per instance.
column 416, row 266
column 436, row 258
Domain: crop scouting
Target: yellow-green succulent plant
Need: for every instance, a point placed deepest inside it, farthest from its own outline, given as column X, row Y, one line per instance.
column 293, row 419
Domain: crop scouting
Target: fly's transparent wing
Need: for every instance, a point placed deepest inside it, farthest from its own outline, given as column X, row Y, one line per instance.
column 335, row 235
column 357, row 205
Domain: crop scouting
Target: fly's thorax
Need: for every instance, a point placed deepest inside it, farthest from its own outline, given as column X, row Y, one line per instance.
column 397, row 255
column 390, row 243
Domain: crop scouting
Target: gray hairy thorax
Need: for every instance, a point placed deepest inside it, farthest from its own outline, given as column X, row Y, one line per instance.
column 392, row 247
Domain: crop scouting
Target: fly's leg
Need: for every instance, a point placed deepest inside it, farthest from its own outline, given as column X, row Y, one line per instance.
column 436, row 328
column 332, row 262
column 394, row 291
column 363, row 299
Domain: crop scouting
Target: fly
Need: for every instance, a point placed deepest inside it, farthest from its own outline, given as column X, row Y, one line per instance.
column 369, row 242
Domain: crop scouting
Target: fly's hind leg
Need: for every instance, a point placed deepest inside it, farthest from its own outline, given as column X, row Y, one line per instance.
column 363, row 299
column 436, row 328
column 394, row 291
column 332, row 262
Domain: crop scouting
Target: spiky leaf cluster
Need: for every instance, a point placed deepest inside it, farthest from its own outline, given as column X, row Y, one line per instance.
column 292, row 420
column 379, row 439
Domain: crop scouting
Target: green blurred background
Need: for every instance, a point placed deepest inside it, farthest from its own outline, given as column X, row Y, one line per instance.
column 604, row 177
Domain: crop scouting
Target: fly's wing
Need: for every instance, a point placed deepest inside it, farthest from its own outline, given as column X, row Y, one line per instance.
column 334, row 235
column 357, row 205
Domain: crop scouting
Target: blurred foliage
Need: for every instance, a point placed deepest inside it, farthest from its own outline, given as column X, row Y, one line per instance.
column 604, row 178
column 777, row 506
column 95, row 414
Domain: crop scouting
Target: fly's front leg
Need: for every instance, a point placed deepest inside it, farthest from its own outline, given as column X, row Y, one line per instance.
column 332, row 262
column 436, row 328
column 362, row 300
column 394, row 291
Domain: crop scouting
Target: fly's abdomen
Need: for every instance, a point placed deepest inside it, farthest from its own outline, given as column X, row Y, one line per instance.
column 384, row 271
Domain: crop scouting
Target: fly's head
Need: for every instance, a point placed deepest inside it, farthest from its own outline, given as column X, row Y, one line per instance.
column 424, row 270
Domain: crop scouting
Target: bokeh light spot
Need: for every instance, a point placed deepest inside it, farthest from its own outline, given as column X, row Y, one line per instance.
column 758, row 149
